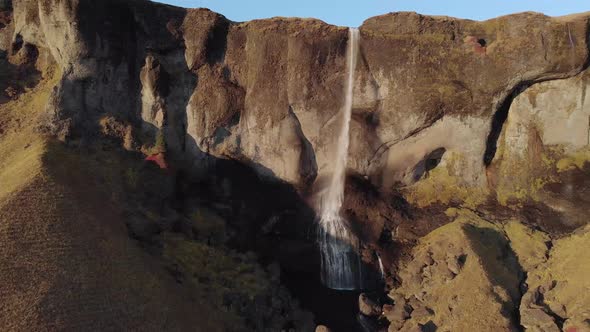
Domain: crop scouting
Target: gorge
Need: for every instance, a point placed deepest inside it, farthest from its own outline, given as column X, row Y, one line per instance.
column 164, row 168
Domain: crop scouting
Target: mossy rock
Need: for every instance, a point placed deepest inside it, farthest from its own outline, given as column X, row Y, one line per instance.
column 208, row 227
column 216, row 271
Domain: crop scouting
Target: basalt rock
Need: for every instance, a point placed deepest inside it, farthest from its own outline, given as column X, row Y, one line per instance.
column 368, row 307
column 266, row 92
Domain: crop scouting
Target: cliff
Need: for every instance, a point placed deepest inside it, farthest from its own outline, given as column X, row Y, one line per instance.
column 485, row 116
column 264, row 92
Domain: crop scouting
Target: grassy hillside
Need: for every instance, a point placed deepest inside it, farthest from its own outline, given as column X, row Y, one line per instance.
column 66, row 260
column 88, row 242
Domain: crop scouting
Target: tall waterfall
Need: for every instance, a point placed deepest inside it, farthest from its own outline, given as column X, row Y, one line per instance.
column 341, row 267
column 381, row 268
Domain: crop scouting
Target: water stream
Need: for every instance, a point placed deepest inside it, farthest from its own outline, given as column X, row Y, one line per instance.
column 381, row 268
column 341, row 266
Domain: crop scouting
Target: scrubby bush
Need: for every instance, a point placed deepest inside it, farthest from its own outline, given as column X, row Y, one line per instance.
column 219, row 271
column 208, row 227
column 236, row 284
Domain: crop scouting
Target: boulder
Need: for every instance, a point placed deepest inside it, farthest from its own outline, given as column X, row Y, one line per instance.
column 398, row 313
column 368, row 306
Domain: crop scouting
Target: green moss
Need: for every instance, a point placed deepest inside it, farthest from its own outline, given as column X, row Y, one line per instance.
column 21, row 147
column 529, row 245
column 220, row 274
column 521, row 177
column 528, row 189
column 442, row 186
column 494, row 26
column 573, row 161
column 160, row 145
column 208, row 226
column 548, row 160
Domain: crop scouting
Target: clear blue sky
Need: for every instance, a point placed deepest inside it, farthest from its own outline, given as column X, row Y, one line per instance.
column 354, row 12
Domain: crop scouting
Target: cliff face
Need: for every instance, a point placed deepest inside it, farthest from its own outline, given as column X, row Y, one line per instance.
column 265, row 92
column 491, row 116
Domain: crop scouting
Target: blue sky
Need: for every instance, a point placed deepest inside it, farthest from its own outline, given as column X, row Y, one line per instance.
column 354, row 12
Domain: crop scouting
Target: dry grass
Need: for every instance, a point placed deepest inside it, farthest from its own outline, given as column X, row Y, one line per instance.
column 21, row 148
column 66, row 260
column 483, row 284
column 564, row 276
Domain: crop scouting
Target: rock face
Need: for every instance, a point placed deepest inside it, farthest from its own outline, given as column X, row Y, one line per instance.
column 5, row 4
column 265, row 92
column 543, row 147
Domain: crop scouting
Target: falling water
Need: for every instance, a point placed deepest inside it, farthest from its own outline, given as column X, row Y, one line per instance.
column 381, row 268
column 341, row 268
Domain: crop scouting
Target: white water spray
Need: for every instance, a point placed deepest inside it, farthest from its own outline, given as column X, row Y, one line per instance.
column 341, row 268
column 381, row 268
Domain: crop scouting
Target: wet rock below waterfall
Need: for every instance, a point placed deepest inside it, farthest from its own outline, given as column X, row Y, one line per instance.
column 368, row 306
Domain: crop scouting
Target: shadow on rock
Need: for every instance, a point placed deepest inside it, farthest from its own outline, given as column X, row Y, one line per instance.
column 500, row 265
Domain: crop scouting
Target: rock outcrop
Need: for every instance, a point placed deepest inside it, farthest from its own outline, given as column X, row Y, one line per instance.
column 462, row 276
column 496, row 276
column 368, row 307
column 557, row 298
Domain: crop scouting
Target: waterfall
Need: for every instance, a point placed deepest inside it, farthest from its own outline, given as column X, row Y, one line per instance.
column 341, row 267
column 381, row 268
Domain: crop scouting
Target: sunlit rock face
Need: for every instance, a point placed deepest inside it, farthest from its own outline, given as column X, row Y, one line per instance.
column 267, row 92
column 543, row 147
column 429, row 70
